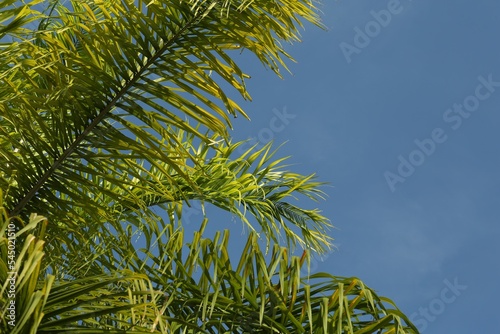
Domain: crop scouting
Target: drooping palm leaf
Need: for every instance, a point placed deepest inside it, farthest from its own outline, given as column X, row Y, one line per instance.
column 43, row 304
column 193, row 289
column 249, row 185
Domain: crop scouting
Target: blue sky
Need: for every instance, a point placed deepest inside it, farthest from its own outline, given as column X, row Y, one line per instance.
column 431, row 242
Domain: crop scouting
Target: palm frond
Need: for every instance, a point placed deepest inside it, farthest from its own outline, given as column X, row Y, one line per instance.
column 252, row 185
column 143, row 67
column 202, row 285
column 174, row 288
column 33, row 301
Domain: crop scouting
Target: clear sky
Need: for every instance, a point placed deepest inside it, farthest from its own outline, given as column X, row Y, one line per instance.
column 397, row 105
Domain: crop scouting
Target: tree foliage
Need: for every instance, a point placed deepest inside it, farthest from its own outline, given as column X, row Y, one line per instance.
column 114, row 117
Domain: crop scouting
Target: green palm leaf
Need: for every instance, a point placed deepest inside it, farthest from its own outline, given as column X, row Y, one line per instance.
column 121, row 64
column 196, row 292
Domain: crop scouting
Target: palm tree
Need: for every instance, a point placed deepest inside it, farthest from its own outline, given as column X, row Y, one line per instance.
column 114, row 119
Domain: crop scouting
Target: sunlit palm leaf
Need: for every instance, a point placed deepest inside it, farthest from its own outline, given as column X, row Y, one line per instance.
column 250, row 185
column 246, row 184
column 22, row 296
column 257, row 294
column 171, row 288
column 144, row 67
column 98, row 304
